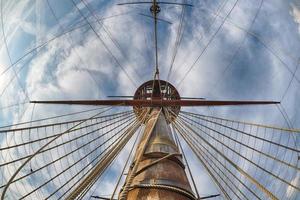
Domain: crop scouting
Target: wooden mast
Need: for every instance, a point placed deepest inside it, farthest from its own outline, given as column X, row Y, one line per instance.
column 157, row 170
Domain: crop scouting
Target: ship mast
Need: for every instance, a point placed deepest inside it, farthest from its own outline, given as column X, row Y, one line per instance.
column 66, row 156
column 157, row 170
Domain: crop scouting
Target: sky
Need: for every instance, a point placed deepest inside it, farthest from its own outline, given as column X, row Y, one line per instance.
column 231, row 50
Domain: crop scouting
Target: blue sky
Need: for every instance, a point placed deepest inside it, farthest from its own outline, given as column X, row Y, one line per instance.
column 246, row 59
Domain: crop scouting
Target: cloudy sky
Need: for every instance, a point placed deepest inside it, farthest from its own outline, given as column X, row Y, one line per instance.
column 230, row 49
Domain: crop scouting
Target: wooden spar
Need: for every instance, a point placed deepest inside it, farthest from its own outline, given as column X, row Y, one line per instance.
column 156, row 102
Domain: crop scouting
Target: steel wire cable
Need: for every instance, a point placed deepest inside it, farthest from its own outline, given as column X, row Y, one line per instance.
column 124, row 121
column 57, row 145
column 245, row 145
column 90, row 180
column 9, row 56
column 266, row 44
column 105, row 28
column 63, row 156
column 282, row 170
column 207, row 45
column 129, row 130
column 247, row 159
column 83, row 127
column 70, row 40
column 44, row 44
column 42, row 148
column 50, row 118
column 104, row 44
column 212, row 157
column 71, row 165
column 80, row 172
column 237, row 51
column 220, row 187
column 138, row 137
column 232, row 163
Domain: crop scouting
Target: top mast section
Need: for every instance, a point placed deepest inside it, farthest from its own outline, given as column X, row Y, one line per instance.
column 155, row 9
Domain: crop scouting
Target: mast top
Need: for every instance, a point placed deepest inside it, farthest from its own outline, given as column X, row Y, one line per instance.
column 157, row 90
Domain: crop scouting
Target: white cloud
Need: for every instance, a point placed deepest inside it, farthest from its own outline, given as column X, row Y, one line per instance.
column 78, row 66
column 296, row 14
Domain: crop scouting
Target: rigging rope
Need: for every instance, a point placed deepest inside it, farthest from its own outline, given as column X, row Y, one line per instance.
column 84, row 167
column 187, row 164
column 63, row 136
column 71, row 42
column 9, row 56
column 54, row 117
column 242, row 122
column 37, row 48
column 105, row 28
column 91, row 184
column 206, row 167
column 104, row 44
column 83, row 127
column 238, row 49
column 264, row 43
column 14, row 105
column 178, row 40
column 75, row 139
column 58, row 174
column 246, row 151
column 151, row 124
column 126, row 163
column 239, row 169
column 290, row 82
column 92, row 177
column 205, row 161
column 207, row 45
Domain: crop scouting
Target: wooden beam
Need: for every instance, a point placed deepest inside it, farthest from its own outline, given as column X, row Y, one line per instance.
column 156, row 102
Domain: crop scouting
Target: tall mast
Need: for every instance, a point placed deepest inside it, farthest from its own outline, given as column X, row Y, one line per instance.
column 157, row 170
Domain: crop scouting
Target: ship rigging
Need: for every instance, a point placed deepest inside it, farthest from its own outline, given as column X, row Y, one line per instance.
column 65, row 156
